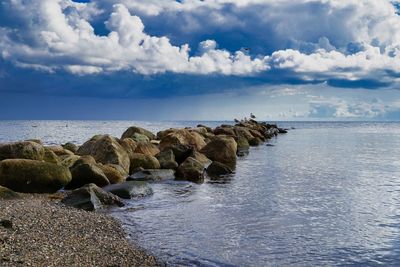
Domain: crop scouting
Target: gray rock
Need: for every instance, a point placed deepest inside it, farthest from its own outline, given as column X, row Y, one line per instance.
column 90, row 197
column 130, row 189
column 152, row 175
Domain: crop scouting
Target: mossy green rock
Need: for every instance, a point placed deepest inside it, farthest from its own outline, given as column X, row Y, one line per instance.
column 22, row 150
column 143, row 161
column 31, row 176
column 106, row 150
column 131, row 131
column 51, row 157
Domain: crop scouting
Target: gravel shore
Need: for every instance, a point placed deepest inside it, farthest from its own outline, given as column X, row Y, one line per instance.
column 46, row 233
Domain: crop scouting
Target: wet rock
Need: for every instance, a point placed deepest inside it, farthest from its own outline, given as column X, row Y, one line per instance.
column 167, row 159
column 222, row 149
column 6, row 193
column 31, row 176
column 90, row 197
column 106, row 149
column 270, row 145
column 71, row 147
column 181, row 152
column 86, row 173
column 22, row 150
column 282, row 131
column 243, row 146
column 143, row 161
column 191, row 170
column 131, row 131
column 218, row 169
column 152, row 175
column 255, row 141
column 147, row 149
column 130, row 189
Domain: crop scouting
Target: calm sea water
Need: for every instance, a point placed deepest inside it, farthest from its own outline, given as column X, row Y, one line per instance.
column 326, row 194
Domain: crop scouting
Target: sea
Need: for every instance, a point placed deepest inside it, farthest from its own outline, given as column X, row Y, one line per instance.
column 324, row 194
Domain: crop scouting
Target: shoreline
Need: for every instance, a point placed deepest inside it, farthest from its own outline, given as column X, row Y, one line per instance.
column 45, row 232
column 42, row 226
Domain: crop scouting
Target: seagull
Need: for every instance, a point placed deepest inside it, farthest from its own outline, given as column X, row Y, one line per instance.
column 252, row 116
column 236, row 120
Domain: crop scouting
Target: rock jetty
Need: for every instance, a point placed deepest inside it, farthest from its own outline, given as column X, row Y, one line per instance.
column 105, row 170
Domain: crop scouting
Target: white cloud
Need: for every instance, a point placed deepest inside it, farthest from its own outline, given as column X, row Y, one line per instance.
column 67, row 41
column 311, row 39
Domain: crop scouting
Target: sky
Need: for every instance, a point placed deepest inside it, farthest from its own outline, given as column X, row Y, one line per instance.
column 200, row 59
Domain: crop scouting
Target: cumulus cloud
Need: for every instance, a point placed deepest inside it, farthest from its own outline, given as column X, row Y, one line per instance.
column 318, row 40
column 59, row 36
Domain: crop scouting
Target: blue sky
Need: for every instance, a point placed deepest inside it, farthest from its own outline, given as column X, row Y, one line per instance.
column 206, row 60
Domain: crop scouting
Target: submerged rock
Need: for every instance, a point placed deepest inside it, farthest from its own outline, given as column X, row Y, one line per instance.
column 22, row 150
column 31, row 176
column 191, row 170
column 90, row 197
column 130, row 189
column 152, row 175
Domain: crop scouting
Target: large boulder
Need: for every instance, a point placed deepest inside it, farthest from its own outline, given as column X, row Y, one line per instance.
column 31, row 176
column 22, row 150
column 131, row 131
column 222, row 149
column 152, row 175
column 114, row 173
column 191, row 170
column 143, row 161
column 201, row 158
column 167, row 159
column 147, row 149
column 255, row 141
column 106, row 149
column 181, row 152
column 59, row 150
column 84, row 172
column 50, row 156
column 218, row 169
column 71, row 147
column 90, row 197
column 182, row 137
column 69, row 161
column 129, row 145
column 6, row 193
column 130, row 189
column 224, row 131
column 243, row 146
